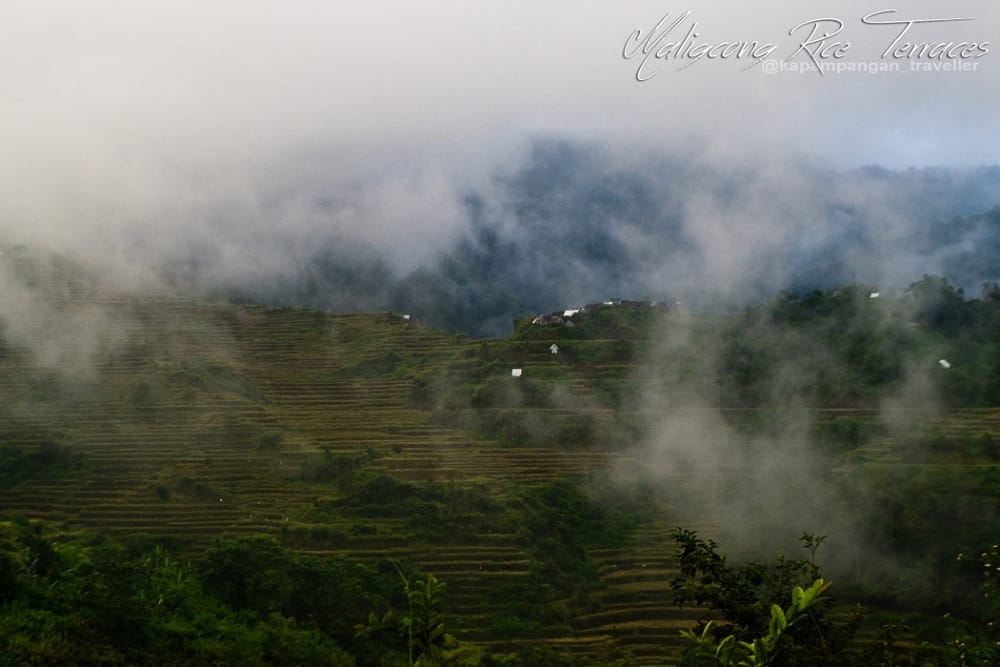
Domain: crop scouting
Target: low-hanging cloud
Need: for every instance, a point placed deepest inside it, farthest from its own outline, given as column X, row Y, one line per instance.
column 755, row 476
column 566, row 222
column 470, row 164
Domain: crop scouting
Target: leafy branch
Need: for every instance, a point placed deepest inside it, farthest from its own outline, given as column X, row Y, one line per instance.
column 761, row 651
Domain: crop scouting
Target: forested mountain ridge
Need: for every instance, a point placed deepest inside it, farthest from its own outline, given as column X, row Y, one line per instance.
column 572, row 222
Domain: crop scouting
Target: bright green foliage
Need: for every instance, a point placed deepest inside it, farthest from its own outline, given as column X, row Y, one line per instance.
column 808, row 632
column 428, row 643
column 424, row 624
column 743, row 594
column 753, row 627
column 762, row 651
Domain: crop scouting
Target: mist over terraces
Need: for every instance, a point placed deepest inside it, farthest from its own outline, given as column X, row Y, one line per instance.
column 544, row 500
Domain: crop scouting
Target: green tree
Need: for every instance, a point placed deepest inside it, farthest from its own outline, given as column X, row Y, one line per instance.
column 753, row 627
column 764, row 650
column 428, row 643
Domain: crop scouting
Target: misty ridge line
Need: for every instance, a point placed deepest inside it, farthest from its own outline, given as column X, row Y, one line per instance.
column 571, row 222
column 578, row 223
column 568, row 223
column 756, row 488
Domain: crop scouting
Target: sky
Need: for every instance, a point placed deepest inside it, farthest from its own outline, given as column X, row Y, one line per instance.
column 230, row 81
column 137, row 131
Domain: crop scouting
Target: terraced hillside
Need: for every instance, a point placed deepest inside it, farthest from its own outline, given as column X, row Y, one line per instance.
column 197, row 420
column 200, row 420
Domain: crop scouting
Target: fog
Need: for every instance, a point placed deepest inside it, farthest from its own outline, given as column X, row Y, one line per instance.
column 756, row 480
column 175, row 124
column 474, row 162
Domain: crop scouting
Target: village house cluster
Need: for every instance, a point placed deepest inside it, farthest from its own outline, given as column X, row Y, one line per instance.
column 565, row 317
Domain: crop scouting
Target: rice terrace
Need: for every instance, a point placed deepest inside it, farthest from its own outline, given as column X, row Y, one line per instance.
column 471, row 334
column 207, row 431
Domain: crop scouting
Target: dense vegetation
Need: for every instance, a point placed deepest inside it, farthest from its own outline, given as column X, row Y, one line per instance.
column 580, row 221
column 755, row 628
column 90, row 598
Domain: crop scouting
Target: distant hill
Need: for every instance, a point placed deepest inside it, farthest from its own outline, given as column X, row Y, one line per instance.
column 582, row 222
